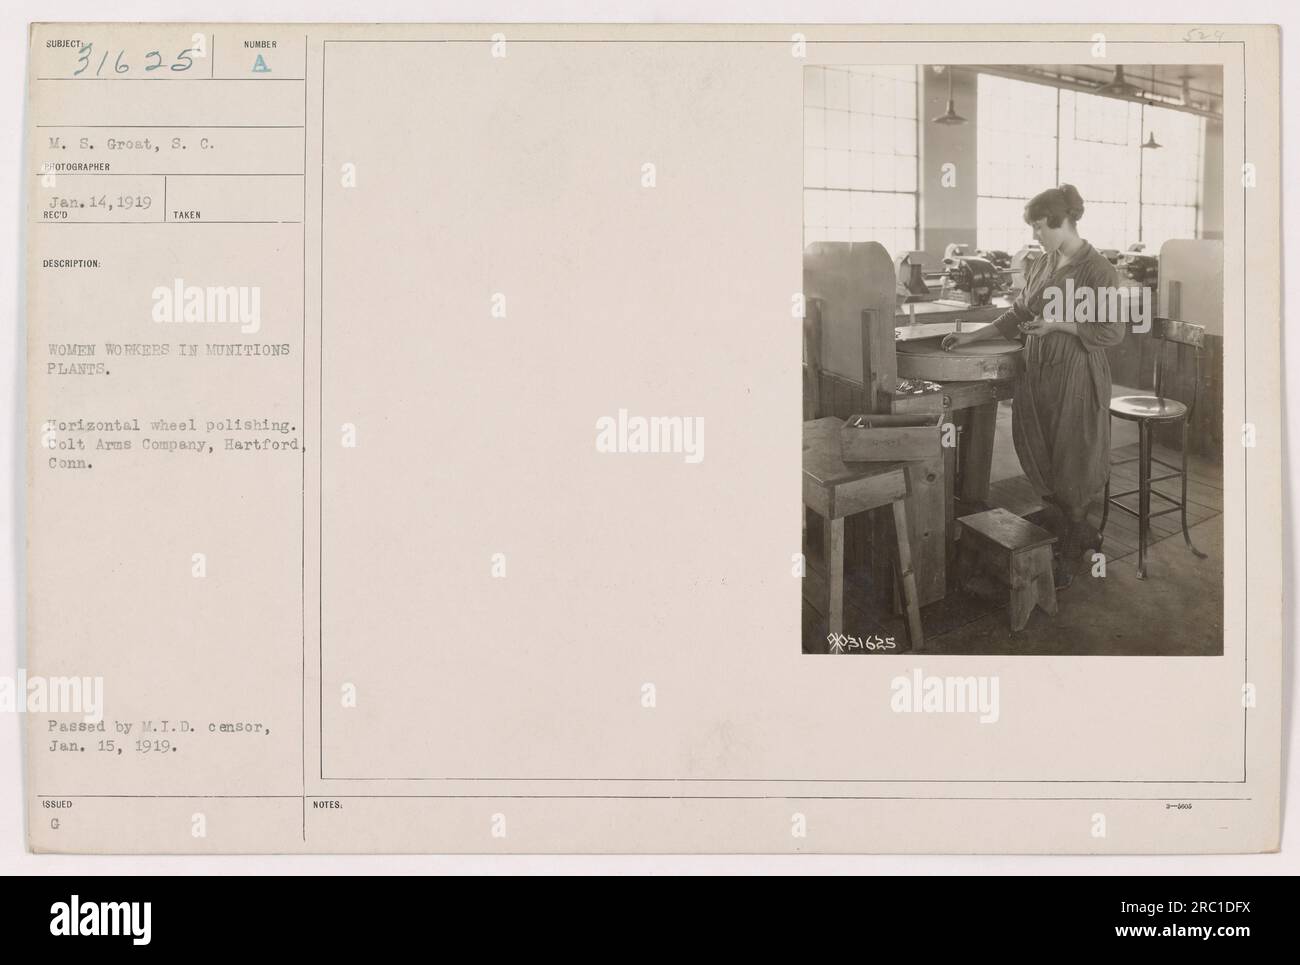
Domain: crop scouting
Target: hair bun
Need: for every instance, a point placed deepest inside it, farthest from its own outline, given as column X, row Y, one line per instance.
column 1073, row 201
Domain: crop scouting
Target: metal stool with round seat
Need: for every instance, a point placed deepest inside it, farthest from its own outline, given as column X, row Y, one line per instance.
column 1148, row 411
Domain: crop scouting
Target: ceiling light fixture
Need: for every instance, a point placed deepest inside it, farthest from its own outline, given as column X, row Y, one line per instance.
column 950, row 116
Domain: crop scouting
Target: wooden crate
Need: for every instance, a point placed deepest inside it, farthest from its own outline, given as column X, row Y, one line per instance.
column 891, row 438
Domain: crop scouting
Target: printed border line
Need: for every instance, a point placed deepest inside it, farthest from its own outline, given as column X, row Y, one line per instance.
column 617, row 797
column 857, row 43
column 302, row 535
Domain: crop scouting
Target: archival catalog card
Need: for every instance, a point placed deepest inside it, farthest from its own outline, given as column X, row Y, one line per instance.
column 572, row 439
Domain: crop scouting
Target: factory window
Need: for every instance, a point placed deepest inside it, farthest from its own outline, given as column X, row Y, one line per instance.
column 1034, row 136
column 1016, row 157
column 1100, row 155
column 1171, row 177
column 860, row 155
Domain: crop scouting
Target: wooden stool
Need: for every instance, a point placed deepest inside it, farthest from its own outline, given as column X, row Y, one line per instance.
column 1018, row 552
column 833, row 491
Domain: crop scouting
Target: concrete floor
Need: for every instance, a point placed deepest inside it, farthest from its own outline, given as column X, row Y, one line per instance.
column 1176, row 611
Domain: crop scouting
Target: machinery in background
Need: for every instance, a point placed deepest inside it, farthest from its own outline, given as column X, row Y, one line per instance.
column 966, row 279
column 909, row 269
column 970, row 279
column 1135, row 265
column 1021, row 262
column 1144, row 269
column 1000, row 260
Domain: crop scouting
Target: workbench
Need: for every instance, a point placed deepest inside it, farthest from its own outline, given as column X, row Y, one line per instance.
column 835, row 491
column 850, row 348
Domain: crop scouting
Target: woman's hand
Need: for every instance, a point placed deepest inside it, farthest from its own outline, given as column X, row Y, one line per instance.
column 956, row 340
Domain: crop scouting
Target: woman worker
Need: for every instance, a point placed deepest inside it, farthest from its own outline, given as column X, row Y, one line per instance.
column 1060, row 415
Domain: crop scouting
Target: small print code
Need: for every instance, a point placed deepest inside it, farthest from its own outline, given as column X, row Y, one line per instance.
column 839, row 643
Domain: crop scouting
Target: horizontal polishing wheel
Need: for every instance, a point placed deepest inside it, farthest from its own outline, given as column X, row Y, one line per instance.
column 990, row 359
column 928, row 330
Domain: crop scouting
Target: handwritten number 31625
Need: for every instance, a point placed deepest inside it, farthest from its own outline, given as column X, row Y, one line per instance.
column 85, row 55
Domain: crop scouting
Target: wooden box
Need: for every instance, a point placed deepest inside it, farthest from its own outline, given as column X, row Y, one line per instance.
column 891, row 438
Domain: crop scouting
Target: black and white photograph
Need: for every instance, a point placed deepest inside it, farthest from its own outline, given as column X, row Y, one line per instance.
column 1013, row 359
